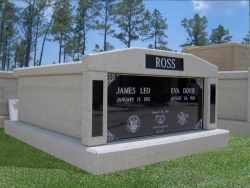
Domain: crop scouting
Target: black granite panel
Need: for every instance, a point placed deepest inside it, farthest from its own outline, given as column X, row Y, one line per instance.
column 212, row 102
column 164, row 63
column 97, row 108
column 146, row 105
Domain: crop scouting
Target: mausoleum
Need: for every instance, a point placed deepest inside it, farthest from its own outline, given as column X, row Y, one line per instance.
column 120, row 109
column 227, row 56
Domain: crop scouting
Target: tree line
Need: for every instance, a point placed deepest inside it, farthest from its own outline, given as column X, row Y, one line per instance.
column 60, row 22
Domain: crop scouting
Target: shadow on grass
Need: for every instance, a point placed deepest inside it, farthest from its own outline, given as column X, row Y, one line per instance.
column 15, row 153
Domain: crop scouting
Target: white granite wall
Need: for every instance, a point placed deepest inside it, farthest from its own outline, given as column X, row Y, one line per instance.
column 52, row 102
column 8, row 90
column 233, row 95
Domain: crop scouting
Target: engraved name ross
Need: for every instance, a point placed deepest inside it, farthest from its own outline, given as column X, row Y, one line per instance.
column 164, row 63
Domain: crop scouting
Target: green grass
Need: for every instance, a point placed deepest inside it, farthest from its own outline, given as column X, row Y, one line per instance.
column 22, row 165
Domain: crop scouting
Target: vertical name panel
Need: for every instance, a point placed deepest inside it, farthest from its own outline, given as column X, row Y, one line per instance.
column 212, row 102
column 97, row 108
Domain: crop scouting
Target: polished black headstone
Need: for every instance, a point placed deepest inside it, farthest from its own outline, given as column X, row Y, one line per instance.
column 212, row 102
column 145, row 105
column 97, row 108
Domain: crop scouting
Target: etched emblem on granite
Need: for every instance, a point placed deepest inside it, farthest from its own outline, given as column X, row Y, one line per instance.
column 111, row 78
column 182, row 118
column 110, row 137
column 198, row 126
column 160, row 119
column 199, row 81
column 133, row 124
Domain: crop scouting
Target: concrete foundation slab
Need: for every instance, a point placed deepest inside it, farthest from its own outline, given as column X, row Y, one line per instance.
column 234, row 126
column 118, row 155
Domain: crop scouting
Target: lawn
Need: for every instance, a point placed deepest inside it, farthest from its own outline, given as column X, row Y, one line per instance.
column 22, row 165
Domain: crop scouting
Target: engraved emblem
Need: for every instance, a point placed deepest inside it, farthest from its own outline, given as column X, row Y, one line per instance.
column 182, row 118
column 198, row 126
column 133, row 124
column 110, row 136
column 160, row 119
column 199, row 81
column 111, row 78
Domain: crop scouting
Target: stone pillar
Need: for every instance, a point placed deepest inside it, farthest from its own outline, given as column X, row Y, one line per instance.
column 87, row 116
column 207, row 97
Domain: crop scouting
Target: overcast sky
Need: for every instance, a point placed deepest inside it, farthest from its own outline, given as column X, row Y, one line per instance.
column 232, row 15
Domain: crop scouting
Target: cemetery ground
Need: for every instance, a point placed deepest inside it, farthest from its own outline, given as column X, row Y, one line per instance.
column 22, row 165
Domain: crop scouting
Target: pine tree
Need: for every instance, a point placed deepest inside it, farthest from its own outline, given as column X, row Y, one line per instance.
column 85, row 14
column 196, row 29
column 246, row 40
column 130, row 18
column 46, row 31
column 220, row 35
column 155, row 30
column 8, row 32
column 19, row 53
column 61, row 27
column 3, row 11
column 27, row 17
column 106, row 18
column 32, row 21
column 97, row 48
column 41, row 23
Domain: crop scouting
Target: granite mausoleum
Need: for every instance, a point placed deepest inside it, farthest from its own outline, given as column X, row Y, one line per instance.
column 8, row 90
column 120, row 109
column 227, row 56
